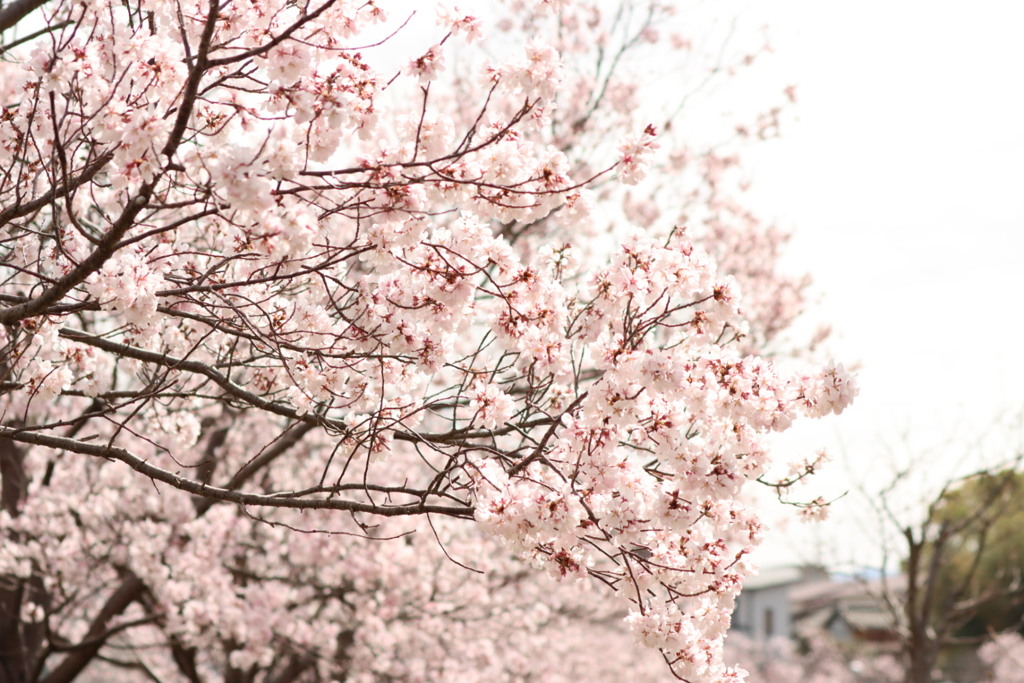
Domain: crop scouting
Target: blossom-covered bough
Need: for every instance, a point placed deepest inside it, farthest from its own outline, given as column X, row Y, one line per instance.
column 279, row 323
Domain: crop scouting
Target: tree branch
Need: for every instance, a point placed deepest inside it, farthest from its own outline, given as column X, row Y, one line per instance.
column 129, row 591
column 279, row 500
column 87, row 174
column 14, row 12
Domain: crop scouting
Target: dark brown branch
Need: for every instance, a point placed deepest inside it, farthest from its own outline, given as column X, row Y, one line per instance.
column 12, row 13
column 26, row 208
column 13, row 481
column 277, row 40
column 32, row 36
column 106, row 247
column 69, row 669
column 286, row 441
column 195, row 76
column 226, row 495
column 124, row 350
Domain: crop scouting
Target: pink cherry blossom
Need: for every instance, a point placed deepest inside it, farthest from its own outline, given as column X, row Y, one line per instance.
column 427, row 66
column 634, row 155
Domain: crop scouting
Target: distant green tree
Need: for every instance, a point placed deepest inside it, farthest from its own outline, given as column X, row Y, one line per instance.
column 962, row 567
column 980, row 575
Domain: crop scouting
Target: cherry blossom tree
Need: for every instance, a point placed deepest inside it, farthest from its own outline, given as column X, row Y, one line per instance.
column 314, row 366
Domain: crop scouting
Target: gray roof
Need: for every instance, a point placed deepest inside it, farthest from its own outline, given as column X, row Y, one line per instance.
column 865, row 617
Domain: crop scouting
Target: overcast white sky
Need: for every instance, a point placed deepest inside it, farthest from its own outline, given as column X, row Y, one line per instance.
column 903, row 182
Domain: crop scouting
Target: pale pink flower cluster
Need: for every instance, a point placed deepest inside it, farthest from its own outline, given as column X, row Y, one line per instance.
column 459, row 23
column 493, row 406
column 816, row 510
column 635, row 156
column 828, row 392
column 128, row 285
column 643, row 405
column 427, row 66
column 537, row 74
column 1004, row 655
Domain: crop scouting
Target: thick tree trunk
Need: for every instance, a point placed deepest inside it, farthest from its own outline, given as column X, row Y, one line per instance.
column 918, row 646
column 20, row 643
column 921, row 661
